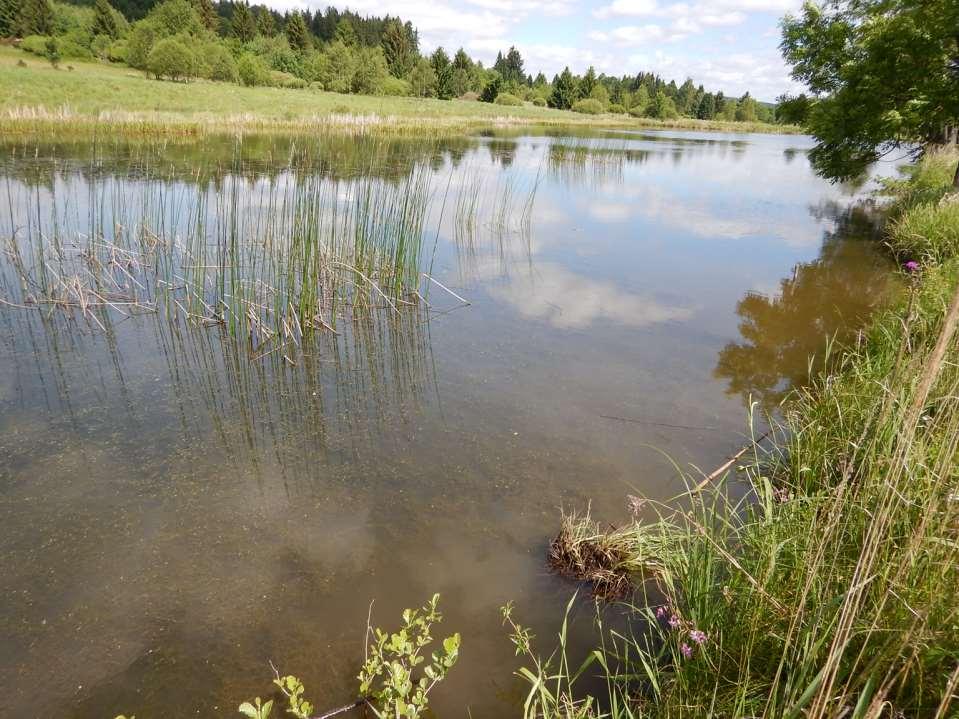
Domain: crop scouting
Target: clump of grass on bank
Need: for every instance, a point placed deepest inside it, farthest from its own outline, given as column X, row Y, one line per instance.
column 609, row 561
column 830, row 589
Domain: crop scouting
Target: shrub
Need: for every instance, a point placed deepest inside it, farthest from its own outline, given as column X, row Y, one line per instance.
column 251, row 71
column 316, row 67
column 171, row 58
column 369, row 71
column 34, row 44
column 139, row 43
column 395, row 87
column 101, row 46
column 219, row 63
column 285, row 79
column 52, row 51
column 637, row 112
column 21, row 63
column 505, row 98
column 117, row 52
column 588, row 106
column 469, row 96
column 275, row 51
column 492, row 89
column 617, row 109
column 929, row 231
column 539, row 101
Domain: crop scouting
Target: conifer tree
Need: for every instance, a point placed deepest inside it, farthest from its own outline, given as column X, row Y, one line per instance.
column 207, row 13
column 707, row 107
column 397, row 49
column 513, row 67
column 297, row 33
column 564, row 91
column 265, row 24
column 35, row 18
column 587, row 84
column 104, row 21
column 242, row 25
column 346, row 33
column 440, row 62
column 8, row 17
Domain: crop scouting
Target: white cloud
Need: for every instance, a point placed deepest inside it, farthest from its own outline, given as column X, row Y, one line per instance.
column 627, row 7
column 571, row 301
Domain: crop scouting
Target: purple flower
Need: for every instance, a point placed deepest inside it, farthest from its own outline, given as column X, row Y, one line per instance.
column 698, row 636
column 686, row 650
column 674, row 621
column 912, row 266
column 661, row 613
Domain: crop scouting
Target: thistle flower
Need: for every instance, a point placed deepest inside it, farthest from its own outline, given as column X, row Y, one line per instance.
column 911, row 266
column 686, row 650
column 698, row 636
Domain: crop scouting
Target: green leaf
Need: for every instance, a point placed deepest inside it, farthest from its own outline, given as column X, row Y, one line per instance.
column 247, row 709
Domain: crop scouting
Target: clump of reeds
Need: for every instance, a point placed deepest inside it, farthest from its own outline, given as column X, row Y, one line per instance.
column 612, row 561
column 584, row 552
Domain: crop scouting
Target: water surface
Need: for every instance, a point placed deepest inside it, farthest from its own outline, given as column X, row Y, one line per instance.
column 178, row 512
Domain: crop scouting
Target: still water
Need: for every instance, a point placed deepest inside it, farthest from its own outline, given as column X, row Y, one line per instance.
column 178, row 512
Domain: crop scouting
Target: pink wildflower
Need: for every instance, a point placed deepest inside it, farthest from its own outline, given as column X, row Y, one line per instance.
column 911, row 266
column 698, row 636
column 661, row 613
column 674, row 621
column 686, row 650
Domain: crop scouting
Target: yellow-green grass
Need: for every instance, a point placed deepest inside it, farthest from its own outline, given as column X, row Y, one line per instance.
column 36, row 97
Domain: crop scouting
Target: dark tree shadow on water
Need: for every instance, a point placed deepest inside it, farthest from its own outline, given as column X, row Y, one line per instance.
column 829, row 299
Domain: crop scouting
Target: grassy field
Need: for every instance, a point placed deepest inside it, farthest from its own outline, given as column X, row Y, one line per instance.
column 38, row 97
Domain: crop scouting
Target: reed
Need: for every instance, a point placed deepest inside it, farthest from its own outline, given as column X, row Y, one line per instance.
column 269, row 258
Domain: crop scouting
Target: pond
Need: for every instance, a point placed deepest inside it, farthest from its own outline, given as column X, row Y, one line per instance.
column 248, row 387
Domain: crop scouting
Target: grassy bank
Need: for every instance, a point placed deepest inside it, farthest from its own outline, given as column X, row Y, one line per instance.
column 830, row 589
column 36, row 97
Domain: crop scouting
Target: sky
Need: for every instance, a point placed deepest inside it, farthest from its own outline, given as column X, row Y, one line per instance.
column 728, row 45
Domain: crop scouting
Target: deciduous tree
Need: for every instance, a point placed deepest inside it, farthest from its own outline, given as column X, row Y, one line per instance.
column 884, row 75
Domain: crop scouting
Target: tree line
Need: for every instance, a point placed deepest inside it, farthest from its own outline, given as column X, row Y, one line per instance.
column 335, row 50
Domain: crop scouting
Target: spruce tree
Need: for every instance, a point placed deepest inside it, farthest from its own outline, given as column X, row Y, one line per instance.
column 8, row 17
column 104, row 21
column 9, row 10
column 707, row 107
column 397, row 49
column 35, row 18
column 242, row 25
column 587, row 84
column 440, row 62
column 297, row 33
column 265, row 24
column 207, row 13
column 564, row 91
column 346, row 33
column 461, row 61
column 513, row 63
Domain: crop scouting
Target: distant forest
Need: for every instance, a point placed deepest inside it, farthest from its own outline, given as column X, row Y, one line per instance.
column 338, row 51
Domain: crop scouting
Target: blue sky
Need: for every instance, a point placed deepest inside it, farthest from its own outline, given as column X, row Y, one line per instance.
column 728, row 45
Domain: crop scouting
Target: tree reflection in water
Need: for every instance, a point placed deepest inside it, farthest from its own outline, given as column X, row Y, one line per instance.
column 828, row 299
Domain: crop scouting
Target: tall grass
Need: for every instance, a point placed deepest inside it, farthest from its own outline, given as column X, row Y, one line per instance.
column 829, row 590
